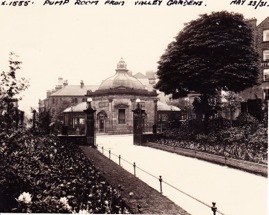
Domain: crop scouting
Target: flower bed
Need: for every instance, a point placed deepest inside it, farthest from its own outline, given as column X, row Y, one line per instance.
column 246, row 140
column 42, row 175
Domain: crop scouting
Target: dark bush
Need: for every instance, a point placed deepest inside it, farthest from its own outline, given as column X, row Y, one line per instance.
column 39, row 174
column 246, row 140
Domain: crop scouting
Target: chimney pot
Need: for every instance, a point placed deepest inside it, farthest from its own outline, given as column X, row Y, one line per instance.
column 81, row 84
column 65, row 83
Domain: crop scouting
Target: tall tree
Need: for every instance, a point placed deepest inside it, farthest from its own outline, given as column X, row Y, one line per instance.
column 10, row 88
column 212, row 53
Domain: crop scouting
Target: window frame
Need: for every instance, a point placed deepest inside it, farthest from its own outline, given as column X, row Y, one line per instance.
column 121, row 112
column 265, row 73
column 265, row 55
column 265, row 35
column 74, row 100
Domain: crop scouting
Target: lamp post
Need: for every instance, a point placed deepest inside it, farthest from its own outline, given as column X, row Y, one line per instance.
column 137, row 123
column 90, row 124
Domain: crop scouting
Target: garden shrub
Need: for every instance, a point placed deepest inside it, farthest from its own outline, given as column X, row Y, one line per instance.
column 246, row 119
column 246, row 140
column 42, row 175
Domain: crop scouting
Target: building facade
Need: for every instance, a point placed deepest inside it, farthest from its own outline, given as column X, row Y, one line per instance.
column 64, row 96
column 263, row 49
column 261, row 43
column 114, row 101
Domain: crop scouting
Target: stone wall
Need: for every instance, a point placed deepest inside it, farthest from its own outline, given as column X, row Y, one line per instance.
column 107, row 109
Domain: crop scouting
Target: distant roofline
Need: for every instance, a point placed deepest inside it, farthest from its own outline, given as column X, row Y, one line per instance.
column 122, row 91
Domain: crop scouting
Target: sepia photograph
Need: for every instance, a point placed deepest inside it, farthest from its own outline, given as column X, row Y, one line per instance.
column 134, row 106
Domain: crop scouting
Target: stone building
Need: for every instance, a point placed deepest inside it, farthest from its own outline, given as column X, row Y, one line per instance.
column 263, row 49
column 261, row 42
column 114, row 102
column 64, row 96
column 114, row 99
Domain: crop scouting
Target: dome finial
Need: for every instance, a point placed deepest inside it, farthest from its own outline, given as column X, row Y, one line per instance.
column 121, row 64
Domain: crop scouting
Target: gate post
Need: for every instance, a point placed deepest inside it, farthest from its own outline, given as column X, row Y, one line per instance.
column 138, row 123
column 90, row 124
column 34, row 120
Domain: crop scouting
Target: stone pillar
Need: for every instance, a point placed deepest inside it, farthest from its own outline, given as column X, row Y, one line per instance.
column 132, row 108
column 90, row 125
column 154, row 129
column 110, row 114
column 34, row 120
column 138, row 125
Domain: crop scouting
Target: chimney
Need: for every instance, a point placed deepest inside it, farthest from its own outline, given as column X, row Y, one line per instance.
column 65, row 83
column 60, row 81
column 48, row 93
column 81, row 84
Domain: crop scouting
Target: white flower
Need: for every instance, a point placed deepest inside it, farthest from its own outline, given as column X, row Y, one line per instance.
column 64, row 200
column 131, row 194
column 25, row 197
column 83, row 211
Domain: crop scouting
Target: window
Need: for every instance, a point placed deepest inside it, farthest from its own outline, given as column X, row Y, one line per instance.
column 121, row 116
column 81, row 121
column 266, row 74
column 74, row 100
column 142, row 104
column 266, row 94
column 266, row 35
column 266, row 55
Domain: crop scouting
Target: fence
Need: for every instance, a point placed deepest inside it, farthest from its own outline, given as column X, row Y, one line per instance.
column 213, row 208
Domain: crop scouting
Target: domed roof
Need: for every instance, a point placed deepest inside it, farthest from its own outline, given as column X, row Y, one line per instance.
column 121, row 79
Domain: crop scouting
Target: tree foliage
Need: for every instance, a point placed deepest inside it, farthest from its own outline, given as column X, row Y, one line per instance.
column 10, row 88
column 44, row 120
column 207, row 105
column 214, row 52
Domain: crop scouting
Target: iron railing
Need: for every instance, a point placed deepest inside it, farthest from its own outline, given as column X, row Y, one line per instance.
column 213, row 208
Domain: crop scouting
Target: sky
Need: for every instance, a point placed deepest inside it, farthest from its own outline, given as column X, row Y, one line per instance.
column 85, row 42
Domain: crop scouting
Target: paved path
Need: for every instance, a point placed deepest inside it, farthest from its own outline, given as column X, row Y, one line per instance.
column 150, row 200
column 251, row 167
column 236, row 192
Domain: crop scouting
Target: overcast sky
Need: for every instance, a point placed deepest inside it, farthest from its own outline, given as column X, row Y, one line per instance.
column 86, row 42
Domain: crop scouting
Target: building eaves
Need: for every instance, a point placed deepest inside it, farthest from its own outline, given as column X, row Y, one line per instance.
column 75, row 90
